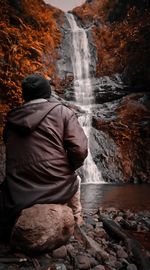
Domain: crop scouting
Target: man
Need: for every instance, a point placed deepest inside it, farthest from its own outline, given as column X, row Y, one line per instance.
column 45, row 144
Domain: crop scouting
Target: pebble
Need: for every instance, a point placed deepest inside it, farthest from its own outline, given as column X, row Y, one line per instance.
column 99, row 224
column 83, row 262
column 100, row 232
column 88, row 254
column 111, row 209
column 3, row 266
column 90, row 220
column 121, row 253
column 99, row 267
column 118, row 219
column 70, row 249
column 112, row 261
column 93, row 261
column 124, row 261
column 60, row 252
column 60, row 266
column 131, row 267
column 89, row 226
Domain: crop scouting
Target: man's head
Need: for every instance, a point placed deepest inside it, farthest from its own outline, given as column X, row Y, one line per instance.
column 35, row 86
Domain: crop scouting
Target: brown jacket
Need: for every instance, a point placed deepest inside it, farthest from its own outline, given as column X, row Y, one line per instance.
column 44, row 146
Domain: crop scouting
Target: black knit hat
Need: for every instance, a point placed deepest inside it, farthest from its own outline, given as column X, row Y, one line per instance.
column 35, row 86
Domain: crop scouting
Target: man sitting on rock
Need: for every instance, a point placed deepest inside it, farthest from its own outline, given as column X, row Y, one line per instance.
column 45, row 145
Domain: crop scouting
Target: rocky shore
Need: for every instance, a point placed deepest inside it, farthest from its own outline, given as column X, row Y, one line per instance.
column 104, row 242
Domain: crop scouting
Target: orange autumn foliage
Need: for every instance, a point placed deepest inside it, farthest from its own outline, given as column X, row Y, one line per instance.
column 29, row 39
column 122, row 43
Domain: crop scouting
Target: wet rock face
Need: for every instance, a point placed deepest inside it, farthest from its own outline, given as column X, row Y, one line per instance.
column 118, row 38
column 122, row 148
column 64, row 64
column 42, row 227
column 106, row 155
column 118, row 34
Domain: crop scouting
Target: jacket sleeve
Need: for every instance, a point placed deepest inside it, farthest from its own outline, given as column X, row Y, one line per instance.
column 75, row 142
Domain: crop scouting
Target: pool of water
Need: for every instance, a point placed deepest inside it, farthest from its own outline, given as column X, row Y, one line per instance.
column 123, row 196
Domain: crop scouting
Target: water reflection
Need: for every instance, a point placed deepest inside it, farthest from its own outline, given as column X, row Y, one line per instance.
column 121, row 196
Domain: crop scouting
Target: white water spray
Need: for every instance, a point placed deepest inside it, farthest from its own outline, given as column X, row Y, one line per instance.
column 80, row 57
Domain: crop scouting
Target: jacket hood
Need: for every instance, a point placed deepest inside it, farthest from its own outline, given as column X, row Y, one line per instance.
column 26, row 118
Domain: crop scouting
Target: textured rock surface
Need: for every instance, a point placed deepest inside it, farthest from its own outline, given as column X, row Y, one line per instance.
column 118, row 33
column 123, row 139
column 43, row 227
column 78, row 255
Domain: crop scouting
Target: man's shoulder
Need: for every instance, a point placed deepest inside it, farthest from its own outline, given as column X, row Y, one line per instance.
column 65, row 109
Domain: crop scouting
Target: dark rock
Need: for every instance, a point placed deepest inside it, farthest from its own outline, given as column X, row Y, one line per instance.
column 93, row 262
column 70, row 249
column 101, row 233
column 99, row 224
column 60, row 266
column 60, row 252
column 3, row 266
column 121, row 253
column 90, row 220
column 83, row 262
column 112, row 261
column 106, row 155
column 99, row 267
column 111, row 145
column 131, row 267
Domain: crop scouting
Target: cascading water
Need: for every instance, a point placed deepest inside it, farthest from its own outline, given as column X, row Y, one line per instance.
column 80, row 57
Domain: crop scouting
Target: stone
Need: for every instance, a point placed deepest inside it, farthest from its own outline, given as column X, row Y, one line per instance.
column 100, row 232
column 3, row 266
column 90, row 220
column 98, row 252
column 118, row 219
column 99, row 267
column 60, row 266
column 83, row 262
column 93, row 261
column 70, row 248
column 99, row 224
column 131, row 267
column 60, row 252
column 89, row 226
column 121, row 253
column 91, row 234
column 112, row 261
column 112, row 209
column 123, row 261
column 42, row 227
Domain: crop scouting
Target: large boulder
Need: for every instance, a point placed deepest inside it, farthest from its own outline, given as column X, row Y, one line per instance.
column 42, row 227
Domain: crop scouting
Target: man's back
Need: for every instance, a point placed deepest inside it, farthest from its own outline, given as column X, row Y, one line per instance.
column 44, row 146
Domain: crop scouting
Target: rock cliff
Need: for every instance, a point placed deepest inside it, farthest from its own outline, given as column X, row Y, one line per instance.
column 120, row 30
column 121, row 34
column 35, row 37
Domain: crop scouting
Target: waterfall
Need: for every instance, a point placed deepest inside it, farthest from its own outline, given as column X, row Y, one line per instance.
column 80, row 57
